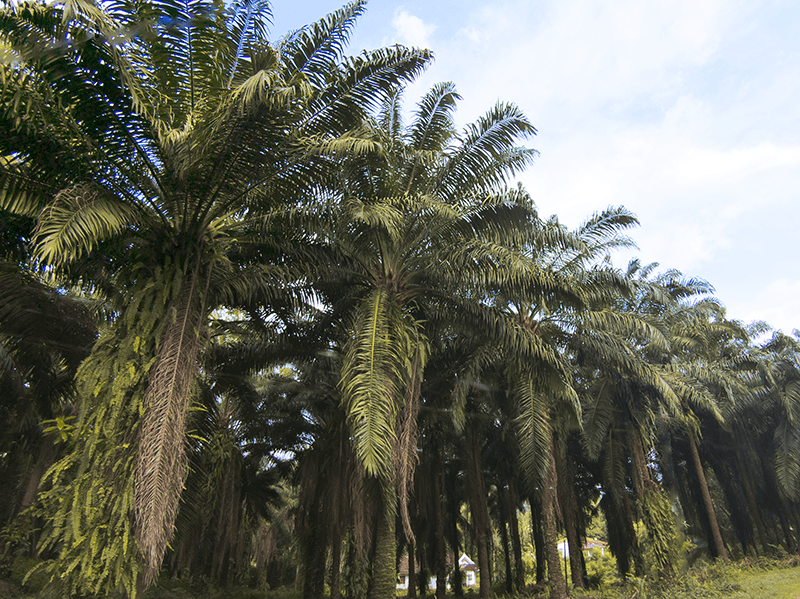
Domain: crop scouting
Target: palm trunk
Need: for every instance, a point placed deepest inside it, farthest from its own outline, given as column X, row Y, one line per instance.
column 791, row 543
column 636, row 553
column 384, row 574
column 458, row 586
column 504, row 540
column 45, row 459
column 336, row 562
column 569, row 511
column 516, row 544
column 412, row 572
column 538, row 538
column 440, row 559
column 712, row 515
column 479, row 509
column 558, row 588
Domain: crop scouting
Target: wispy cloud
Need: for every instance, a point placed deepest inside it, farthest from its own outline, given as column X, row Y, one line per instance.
column 410, row 30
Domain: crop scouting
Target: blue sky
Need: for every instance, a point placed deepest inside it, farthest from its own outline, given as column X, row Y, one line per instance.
column 686, row 112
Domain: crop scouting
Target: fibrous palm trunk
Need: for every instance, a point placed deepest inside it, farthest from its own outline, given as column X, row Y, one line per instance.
column 558, row 587
column 538, row 538
column 569, row 511
column 383, row 563
column 479, row 509
column 516, row 544
column 712, row 515
column 336, row 563
column 412, row 572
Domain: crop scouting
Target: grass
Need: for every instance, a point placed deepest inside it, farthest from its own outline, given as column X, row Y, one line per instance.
column 770, row 579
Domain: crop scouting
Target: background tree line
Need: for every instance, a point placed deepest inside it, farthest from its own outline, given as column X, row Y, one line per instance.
column 256, row 327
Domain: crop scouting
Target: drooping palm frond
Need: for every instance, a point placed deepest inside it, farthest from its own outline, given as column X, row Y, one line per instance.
column 372, row 380
column 76, row 220
column 486, row 145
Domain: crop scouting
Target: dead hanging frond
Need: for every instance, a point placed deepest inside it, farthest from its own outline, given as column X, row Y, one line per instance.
column 161, row 465
column 406, row 457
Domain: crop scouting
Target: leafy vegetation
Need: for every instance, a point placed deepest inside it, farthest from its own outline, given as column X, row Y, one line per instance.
column 260, row 336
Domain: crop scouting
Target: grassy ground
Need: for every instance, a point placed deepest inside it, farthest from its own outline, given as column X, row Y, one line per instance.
column 762, row 580
column 772, row 584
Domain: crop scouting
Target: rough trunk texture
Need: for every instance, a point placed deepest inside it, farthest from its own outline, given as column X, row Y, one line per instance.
column 569, row 512
column 314, row 566
column 384, row 575
column 441, row 551
column 480, row 510
column 504, row 540
column 336, row 563
column 558, row 588
column 538, row 538
column 458, row 587
column 45, row 459
column 412, row 572
column 791, row 542
column 636, row 553
column 712, row 514
column 516, row 544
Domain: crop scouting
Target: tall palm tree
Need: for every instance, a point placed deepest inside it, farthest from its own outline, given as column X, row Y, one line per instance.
column 420, row 231
column 175, row 129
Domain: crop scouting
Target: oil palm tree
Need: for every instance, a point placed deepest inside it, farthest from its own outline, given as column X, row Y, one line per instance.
column 418, row 235
column 152, row 141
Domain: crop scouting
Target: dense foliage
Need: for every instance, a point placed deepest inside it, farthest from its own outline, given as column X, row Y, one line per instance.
column 255, row 329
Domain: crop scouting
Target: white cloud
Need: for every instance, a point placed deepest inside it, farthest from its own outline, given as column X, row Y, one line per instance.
column 411, row 30
column 778, row 304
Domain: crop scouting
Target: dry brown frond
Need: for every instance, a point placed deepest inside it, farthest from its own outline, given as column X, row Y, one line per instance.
column 161, row 463
column 406, row 458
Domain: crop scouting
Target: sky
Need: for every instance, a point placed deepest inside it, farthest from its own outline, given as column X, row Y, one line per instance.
column 686, row 112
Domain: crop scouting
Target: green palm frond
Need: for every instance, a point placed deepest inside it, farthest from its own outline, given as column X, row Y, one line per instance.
column 76, row 220
column 371, row 380
column 361, row 83
column 316, row 49
column 433, row 125
column 535, row 431
column 484, row 145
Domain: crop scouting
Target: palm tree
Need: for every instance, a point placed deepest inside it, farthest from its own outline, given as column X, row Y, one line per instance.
column 44, row 336
column 416, row 229
column 176, row 129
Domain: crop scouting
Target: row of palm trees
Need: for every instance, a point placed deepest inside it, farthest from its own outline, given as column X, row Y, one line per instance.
column 255, row 309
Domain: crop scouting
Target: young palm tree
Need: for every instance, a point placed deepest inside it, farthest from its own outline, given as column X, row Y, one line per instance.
column 174, row 129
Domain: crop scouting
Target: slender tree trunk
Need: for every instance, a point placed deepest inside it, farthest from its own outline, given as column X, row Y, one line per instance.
column 638, row 561
column 516, row 544
column 315, row 558
column 384, row 575
column 791, row 543
column 504, row 540
column 712, row 515
column 752, row 505
column 441, row 550
column 458, row 587
column 45, row 459
column 569, row 512
column 639, row 472
column 558, row 588
column 336, row 563
column 538, row 538
column 479, row 509
column 412, row 572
